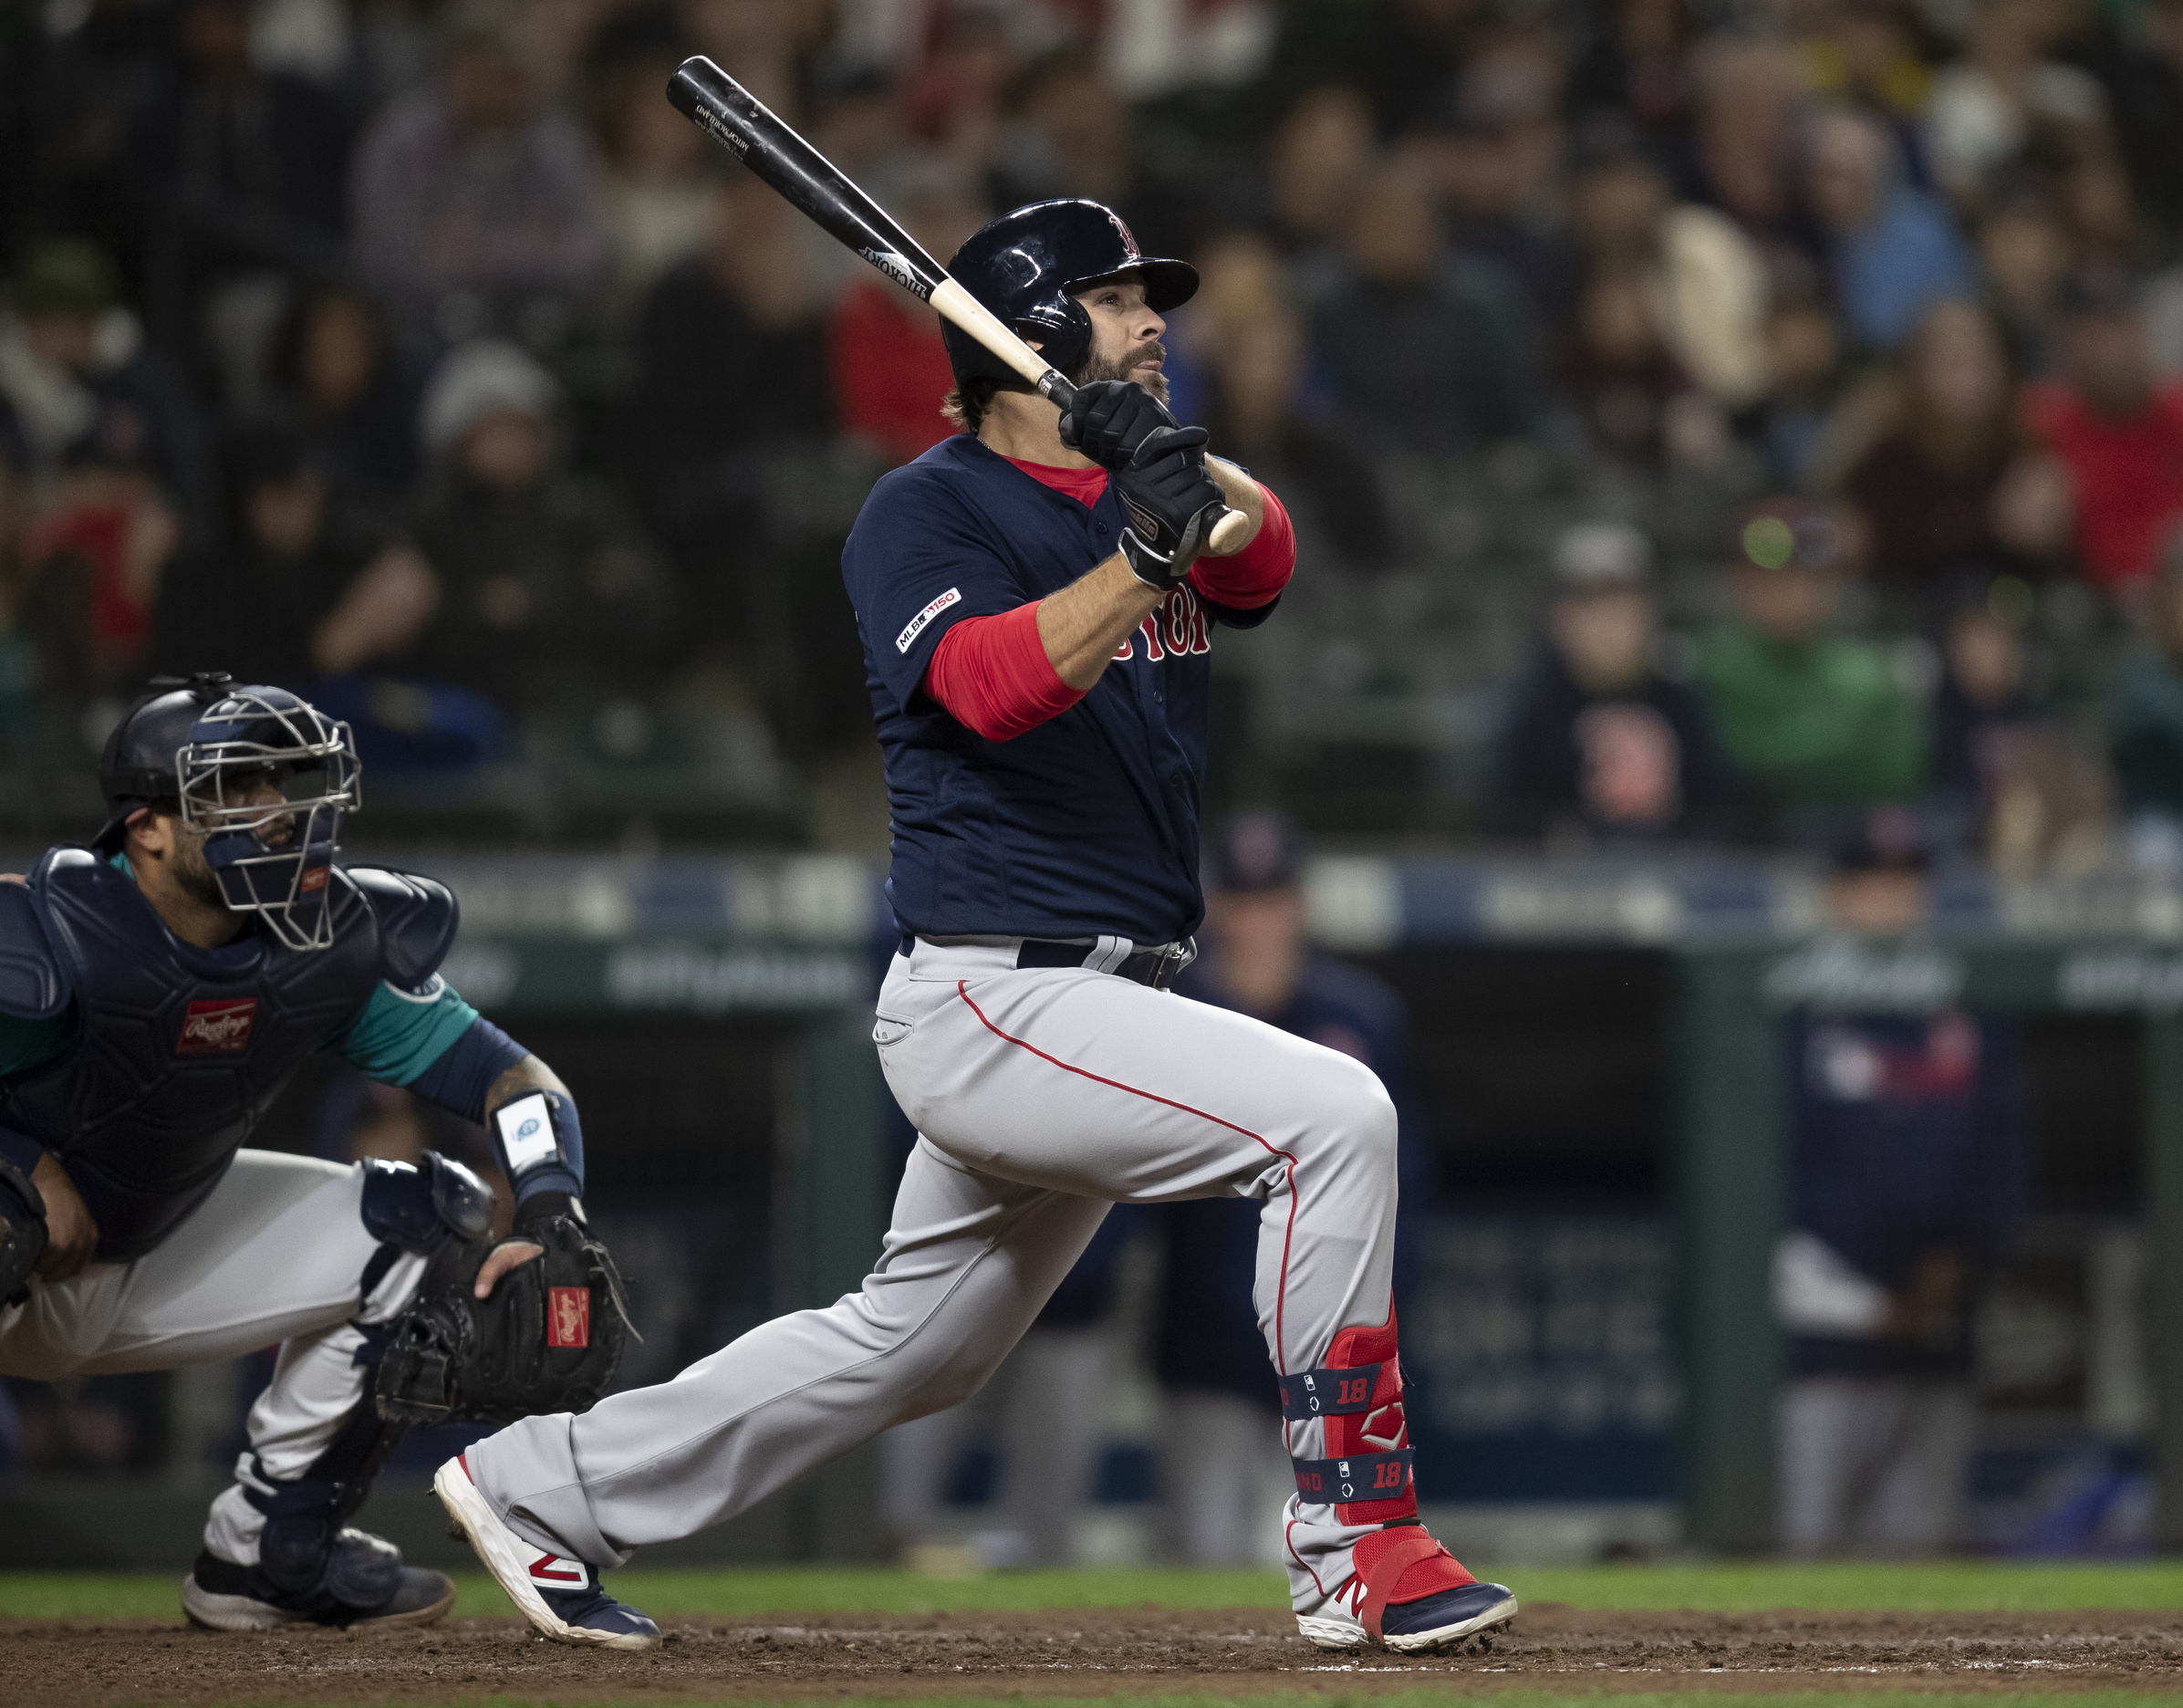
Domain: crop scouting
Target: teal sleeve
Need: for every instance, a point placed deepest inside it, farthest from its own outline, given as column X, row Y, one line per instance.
column 401, row 1033
column 27, row 1043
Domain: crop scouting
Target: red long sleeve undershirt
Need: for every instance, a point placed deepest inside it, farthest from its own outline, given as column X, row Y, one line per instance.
column 992, row 674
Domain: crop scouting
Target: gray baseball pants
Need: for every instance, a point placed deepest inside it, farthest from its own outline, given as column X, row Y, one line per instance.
column 277, row 1253
column 1040, row 1097
column 1874, row 1464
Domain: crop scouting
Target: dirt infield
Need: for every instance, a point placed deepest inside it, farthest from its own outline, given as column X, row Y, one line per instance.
column 1093, row 1653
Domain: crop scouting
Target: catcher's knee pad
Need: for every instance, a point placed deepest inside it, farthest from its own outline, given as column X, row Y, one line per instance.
column 418, row 1208
column 1367, row 1474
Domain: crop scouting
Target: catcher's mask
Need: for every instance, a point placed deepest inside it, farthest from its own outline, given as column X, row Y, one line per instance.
column 272, row 857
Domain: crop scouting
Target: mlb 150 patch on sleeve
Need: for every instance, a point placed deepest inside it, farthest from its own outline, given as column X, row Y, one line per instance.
column 953, row 595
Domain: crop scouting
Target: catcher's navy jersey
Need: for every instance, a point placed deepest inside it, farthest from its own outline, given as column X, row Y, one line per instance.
column 1083, row 827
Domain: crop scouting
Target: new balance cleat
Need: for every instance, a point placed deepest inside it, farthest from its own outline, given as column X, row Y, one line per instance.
column 562, row 1597
column 1445, row 1607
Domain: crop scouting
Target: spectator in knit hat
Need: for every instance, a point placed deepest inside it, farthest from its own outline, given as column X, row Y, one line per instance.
column 551, row 593
column 77, row 385
column 1598, row 739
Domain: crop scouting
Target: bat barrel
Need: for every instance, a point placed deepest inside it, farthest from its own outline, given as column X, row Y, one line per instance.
column 744, row 125
column 741, row 124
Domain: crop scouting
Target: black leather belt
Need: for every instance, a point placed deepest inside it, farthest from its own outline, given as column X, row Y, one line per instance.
column 1155, row 967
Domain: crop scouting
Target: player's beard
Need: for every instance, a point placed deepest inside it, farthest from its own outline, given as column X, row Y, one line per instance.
column 194, row 873
column 1095, row 368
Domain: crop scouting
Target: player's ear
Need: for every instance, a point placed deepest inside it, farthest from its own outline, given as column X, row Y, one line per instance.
column 150, row 831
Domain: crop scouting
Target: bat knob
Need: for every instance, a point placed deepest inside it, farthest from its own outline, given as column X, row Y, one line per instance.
column 1228, row 532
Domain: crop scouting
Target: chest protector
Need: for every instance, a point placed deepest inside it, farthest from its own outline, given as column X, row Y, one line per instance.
column 178, row 1051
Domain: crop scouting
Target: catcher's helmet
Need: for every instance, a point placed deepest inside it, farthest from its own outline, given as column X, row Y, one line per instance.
column 195, row 743
column 1026, row 264
column 135, row 768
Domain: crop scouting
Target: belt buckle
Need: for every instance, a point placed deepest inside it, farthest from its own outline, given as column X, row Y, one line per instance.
column 1173, row 958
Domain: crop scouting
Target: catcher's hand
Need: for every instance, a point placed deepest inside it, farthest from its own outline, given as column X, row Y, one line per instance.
column 504, row 1257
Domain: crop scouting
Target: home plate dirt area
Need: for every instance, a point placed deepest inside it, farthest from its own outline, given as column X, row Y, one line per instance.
column 1097, row 1651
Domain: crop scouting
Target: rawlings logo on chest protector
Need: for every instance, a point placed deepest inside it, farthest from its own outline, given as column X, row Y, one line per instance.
column 218, row 1026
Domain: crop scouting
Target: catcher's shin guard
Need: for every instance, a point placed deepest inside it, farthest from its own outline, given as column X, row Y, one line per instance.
column 312, row 1566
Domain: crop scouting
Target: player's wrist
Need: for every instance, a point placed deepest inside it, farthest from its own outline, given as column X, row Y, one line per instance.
column 536, row 1209
column 1163, row 574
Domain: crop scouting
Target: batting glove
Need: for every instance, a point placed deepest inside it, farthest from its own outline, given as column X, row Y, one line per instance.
column 1171, row 502
column 1107, row 420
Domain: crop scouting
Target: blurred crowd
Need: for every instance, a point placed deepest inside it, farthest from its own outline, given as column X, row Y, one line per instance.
column 1696, row 413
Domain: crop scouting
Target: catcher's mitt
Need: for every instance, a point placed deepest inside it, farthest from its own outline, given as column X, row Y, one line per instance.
column 547, row 1338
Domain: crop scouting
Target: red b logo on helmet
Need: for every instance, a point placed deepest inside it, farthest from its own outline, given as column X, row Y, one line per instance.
column 1128, row 240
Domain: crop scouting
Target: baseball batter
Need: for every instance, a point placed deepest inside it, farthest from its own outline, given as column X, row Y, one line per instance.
column 157, row 990
column 1036, row 621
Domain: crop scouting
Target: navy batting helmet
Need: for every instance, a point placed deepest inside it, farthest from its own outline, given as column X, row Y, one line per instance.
column 1025, row 265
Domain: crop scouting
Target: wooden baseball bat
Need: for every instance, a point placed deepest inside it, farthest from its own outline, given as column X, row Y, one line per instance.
column 741, row 124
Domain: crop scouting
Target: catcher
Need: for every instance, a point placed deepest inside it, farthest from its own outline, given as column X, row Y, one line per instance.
column 157, row 989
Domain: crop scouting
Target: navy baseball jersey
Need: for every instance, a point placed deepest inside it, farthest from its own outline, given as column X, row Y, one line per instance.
column 1908, row 1138
column 1086, row 824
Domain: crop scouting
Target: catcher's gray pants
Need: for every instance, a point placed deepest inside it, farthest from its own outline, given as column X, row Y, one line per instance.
column 276, row 1253
column 1040, row 1097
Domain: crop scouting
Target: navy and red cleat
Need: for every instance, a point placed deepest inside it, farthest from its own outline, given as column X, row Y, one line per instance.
column 561, row 1597
column 1445, row 1605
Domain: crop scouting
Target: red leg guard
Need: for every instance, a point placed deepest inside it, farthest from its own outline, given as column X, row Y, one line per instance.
column 1403, row 1563
column 1383, row 1429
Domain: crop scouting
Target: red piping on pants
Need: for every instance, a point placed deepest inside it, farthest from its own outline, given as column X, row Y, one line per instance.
column 1281, row 1290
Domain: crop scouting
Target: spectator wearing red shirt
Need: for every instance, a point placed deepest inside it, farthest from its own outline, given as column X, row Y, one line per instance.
column 883, row 347
column 2119, row 432
column 888, row 364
